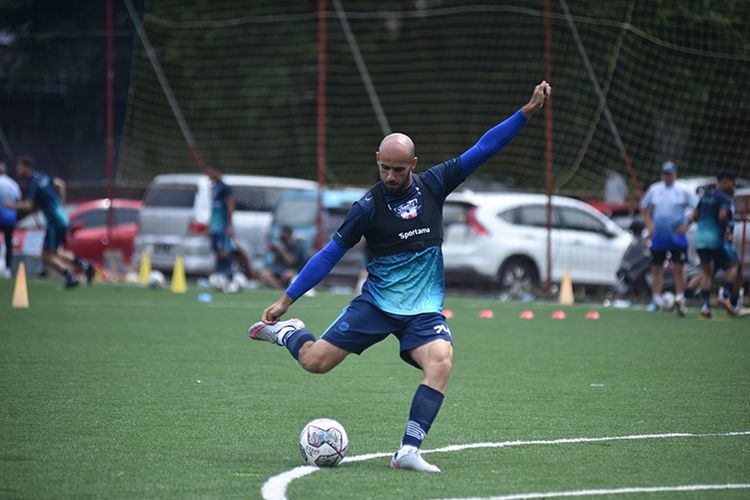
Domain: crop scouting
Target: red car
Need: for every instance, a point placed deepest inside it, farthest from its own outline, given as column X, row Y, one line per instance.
column 88, row 236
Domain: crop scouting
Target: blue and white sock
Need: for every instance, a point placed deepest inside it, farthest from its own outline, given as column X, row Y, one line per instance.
column 424, row 408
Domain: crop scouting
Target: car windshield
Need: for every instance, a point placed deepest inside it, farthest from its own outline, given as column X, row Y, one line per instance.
column 296, row 212
column 170, row 195
column 256, row 199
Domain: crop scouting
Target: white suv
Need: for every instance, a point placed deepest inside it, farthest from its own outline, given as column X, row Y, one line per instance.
column 502, row 239
column 177, row 209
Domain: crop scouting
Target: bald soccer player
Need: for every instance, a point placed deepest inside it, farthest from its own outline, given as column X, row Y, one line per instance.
column 402, row 222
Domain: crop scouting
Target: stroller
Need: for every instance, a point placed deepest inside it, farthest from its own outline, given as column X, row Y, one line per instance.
column 634, row 273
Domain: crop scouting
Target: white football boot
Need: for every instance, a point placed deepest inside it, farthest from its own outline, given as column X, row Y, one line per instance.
column 409, row 458
column 274, row 333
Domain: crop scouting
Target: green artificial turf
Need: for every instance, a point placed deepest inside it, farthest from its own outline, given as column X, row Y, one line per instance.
column 122, row 392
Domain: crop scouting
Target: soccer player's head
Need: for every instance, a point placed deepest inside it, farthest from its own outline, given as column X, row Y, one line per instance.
column 25, row 166
column 214, row 171
column 396, row 161
column 726, row 182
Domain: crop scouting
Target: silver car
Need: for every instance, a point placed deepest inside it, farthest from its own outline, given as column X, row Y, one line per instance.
column 176, row 213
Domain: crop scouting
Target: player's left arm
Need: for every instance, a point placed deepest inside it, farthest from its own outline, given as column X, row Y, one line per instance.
column 498, row 136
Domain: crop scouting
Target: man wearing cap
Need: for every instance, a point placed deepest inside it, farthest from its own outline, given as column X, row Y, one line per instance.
column 665, row 207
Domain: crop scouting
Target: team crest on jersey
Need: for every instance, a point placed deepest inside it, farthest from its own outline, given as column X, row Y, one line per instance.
column 407, row 210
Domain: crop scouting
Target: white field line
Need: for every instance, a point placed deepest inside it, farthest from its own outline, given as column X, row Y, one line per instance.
column 615, row 491
column 275, row 487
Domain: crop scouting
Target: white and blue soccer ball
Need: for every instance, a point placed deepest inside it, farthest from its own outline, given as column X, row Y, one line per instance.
column 323, row 442
column 156, row 279
column 667, row 301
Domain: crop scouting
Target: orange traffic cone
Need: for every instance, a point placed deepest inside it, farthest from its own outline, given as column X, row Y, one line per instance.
column 20, row 291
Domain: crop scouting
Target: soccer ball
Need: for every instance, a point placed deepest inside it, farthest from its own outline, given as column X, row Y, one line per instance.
column 667, row 301
column 218, row 281
column 323, row 442
column 156, row 279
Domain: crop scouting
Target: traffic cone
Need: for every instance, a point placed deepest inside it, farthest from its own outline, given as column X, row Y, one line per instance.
column 486, row 314
column 526, row 315
column 566, row 290
column 20, row 291
column 145, row 270
column 447, row 313
column 178, row 276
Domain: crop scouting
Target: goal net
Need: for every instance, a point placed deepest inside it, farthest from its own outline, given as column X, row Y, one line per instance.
column 245, row 76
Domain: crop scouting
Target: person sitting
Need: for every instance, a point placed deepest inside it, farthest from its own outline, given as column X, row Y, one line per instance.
column 286, row 258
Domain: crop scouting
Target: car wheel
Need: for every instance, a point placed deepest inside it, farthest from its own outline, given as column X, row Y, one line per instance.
column 518, row 277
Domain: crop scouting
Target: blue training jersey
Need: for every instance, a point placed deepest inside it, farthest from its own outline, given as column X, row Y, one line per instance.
column 710, row 231
column 41, row 191
column 220, row 192
column 407, row 282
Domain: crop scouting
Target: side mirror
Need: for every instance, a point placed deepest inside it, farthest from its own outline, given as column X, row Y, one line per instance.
column 75, row 226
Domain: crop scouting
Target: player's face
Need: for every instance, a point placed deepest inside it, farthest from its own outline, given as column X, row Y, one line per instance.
column 668, row 178
column 395, row 177
column 727, row 185
column 23, row 171
column 395, row 173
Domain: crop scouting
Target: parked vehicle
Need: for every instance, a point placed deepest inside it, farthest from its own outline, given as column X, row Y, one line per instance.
column 742, row 229
column 88, row 235
column 502, row 239
column 176, row 213
column 299, row 211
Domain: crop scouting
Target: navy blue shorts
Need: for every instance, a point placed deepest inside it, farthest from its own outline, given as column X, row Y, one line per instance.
column 220, row 242
column 362, row 325
column 677, row 255
column 54, row 238
column 722, row 258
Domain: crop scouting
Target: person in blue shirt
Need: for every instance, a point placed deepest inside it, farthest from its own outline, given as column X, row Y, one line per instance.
column 401, row 220
column 664, row 207
column 42, row 194
column 713, row 242
column 220, row 228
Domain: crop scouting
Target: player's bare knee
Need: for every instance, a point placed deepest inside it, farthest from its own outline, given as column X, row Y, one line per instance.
column 314, row 364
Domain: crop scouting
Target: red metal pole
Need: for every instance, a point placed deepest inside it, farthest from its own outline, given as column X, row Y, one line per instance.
column 548, row 138
column 110, row 119
column 321, row 128
column 743, row 245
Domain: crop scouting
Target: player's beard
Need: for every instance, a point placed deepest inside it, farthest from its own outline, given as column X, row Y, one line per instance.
column 397, row 187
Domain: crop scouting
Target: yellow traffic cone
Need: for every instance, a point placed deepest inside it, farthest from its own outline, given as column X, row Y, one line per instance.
column 566, row 290
column 178, row 276
column 145, row 269
column 20, row 291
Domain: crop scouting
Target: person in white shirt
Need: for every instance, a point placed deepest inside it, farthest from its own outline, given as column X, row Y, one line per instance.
column 665, row 207
column 9, row 191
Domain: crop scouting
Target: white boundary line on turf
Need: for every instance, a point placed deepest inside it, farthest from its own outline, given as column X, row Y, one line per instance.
column 275, row 487
column 614, row 491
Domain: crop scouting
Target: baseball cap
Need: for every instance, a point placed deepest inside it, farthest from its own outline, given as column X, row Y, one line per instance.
column 668, row 168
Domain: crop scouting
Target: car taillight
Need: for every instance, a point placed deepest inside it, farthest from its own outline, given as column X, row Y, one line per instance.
column 473, row 223
column 198, row 227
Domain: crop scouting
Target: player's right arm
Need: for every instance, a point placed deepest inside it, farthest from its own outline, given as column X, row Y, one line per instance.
column 313, row 273
column 320, row 264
